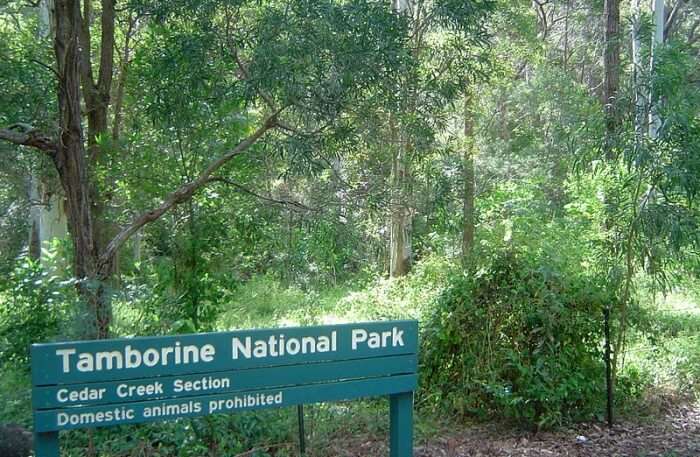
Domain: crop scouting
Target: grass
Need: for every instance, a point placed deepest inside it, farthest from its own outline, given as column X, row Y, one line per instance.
column 662, row 361
column 265, row 302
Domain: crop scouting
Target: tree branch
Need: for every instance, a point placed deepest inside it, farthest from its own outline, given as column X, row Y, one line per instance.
column 692, row 36
column 294, row 204
column 671, row 19
column 181, row 194
column 26, row 135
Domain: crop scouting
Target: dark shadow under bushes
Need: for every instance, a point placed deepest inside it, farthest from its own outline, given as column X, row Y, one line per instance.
column 518, row 339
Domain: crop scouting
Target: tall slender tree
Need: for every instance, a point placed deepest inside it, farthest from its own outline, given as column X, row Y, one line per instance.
column 611, row 84
column 468, row 176
column 657, row 42
column 400, row 247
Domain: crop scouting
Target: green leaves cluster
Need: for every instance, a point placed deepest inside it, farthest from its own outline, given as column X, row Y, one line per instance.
column 35, row 305
column 517, row 339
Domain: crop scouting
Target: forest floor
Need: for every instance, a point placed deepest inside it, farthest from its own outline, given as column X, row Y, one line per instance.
column 676, row 433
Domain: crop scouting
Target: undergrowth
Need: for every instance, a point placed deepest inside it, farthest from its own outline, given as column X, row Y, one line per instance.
column 517, row 339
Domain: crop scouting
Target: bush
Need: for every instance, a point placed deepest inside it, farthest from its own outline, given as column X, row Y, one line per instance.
column 519, row 339
column 33, row 305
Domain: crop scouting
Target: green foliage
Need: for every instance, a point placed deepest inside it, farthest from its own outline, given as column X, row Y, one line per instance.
column 34, row 305
column 664, row 346
column 519, row 339
column 225, row 434
column 296, row 230
column 406, row 297
column 24, row 70
column 16, row 407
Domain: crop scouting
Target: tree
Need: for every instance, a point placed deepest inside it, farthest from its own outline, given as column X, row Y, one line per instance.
column 611, row 82
column 469, row 225
column 659, row 34
column 306, row 102
column 447, row 40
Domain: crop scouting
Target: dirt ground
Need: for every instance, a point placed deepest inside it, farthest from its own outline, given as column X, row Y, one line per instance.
column 675, row 434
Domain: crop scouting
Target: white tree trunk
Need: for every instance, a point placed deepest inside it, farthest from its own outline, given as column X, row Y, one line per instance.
column 46, row 10
column 53, row 219
column 400, row 6
column 657, row 41
column 637, row 67
column 34, row 243
column 137, row 241
column 47, row 219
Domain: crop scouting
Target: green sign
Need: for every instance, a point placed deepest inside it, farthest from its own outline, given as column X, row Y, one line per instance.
column 89, row 384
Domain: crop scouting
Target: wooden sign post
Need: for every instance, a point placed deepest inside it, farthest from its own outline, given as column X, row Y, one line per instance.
column 102, row 383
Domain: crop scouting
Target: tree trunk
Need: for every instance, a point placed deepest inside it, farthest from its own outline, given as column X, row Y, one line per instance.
column 46, row 13
column 70, row 161
column 657, row 41
column 121, row 82
column 637, row 66
column 565, row 59
column 47, row 218
column 400, row 6
column 401, row 221
column 468, row 178
column 96, row 95
column 34, row 220
column 400, row 251
column 612, row 75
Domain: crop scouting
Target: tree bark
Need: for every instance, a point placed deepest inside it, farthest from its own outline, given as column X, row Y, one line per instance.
column 637, row 66
column 657, row 41
column 400, row 249
column 96, row 95
column 612, row 75
column 121, row 82
column 468, row 178
column 401, row 221
column 71, row 164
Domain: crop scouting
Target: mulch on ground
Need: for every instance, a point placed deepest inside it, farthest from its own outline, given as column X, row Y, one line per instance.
column 674, row 434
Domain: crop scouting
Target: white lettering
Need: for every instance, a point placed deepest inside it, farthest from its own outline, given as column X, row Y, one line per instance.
column 358, row 336
column 397, row 337
column 245, row 349
column 114, row 360
column 280, row 345
column 86, row 362
column 65, row 354
column 377, row 340
column 133, row 357
column 207, row 353
column 150, row 357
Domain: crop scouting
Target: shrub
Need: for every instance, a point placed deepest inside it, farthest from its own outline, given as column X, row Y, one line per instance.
column 32, row 308
column 518, row 339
